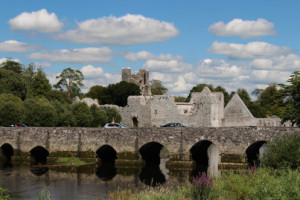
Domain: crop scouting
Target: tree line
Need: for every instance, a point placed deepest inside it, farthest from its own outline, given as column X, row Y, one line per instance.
column 27, row 96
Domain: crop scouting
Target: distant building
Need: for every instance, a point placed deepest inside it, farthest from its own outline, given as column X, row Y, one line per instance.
column 141, row 79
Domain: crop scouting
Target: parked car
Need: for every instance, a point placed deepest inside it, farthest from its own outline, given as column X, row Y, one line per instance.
column 15, row 125
column 173, row 125
column 114, row 125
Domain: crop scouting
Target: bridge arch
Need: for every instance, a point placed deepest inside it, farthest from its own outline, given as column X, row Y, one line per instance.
column 107, row 154
column 7, row 151
column 151, row 152
column 206, row 154
column 39, row 155
column 253, row 152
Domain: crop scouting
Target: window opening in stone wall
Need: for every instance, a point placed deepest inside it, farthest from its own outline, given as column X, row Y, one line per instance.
column 135, row 122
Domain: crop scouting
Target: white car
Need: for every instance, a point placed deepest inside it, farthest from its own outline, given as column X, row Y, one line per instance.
column 114, row 125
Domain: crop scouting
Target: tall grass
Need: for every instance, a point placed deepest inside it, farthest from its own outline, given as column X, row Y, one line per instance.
column 4, row 194
column 254, row 184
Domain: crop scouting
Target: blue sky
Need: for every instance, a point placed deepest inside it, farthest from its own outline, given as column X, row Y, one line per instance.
column 233, row 43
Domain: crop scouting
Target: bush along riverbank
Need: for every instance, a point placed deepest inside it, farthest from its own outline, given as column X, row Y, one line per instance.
column 278, row 178
column 4, row 194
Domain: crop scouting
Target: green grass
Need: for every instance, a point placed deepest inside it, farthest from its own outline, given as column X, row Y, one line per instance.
column 258, row 184
column 4, row 194
column 71, row 161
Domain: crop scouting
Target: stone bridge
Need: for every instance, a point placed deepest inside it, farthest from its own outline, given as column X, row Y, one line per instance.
column 203, row 145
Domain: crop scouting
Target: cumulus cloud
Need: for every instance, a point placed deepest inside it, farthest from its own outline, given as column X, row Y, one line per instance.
column 125, row 30
column 14, row 46
column 84, row 55
column 142, row 55
column 251, row 50
column 39, row 21
column 91, row 72
column 242, row 28
column 209, row 68
column 268, row 76
column 281, row 63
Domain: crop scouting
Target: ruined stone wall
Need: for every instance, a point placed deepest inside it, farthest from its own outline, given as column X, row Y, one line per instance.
column 141, row 79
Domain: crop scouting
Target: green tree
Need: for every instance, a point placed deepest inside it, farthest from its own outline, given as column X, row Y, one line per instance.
column 39, row 112
column 60, row 96
column 65, row 117
column 96, row 92
column 157, row 87
column 198, row 88
column 12, row 83
column 118, row 93
column 40, row 85
column 283, row 152
column 99, row 116
column 11, row 109
column 270, row 100
column 179, row 99
column 71, row 79
column 291, row 99
column 113, row 114
column 12, row 66
column 82, row 114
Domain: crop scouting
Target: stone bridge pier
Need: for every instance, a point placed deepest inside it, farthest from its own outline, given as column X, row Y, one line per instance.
column 204, row 146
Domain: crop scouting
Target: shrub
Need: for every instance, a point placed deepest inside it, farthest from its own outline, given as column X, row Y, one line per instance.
column 283, row 152
column 201, row 186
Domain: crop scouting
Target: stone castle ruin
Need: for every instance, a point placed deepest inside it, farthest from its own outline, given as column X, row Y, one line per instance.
column 205, row 109
column 141, row 79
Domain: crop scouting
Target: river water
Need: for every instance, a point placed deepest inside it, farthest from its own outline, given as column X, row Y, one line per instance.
column 88, row 182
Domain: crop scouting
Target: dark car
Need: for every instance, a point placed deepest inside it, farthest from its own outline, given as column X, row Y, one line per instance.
column 173, row 125
column 15, row 125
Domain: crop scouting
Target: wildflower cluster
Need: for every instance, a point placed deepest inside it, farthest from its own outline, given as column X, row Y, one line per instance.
column 202, row 186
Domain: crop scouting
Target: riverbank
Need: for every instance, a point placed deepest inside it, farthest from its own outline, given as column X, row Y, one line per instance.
column 255, row 183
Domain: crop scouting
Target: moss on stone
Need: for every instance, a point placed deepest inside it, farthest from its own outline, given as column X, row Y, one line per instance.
column 232, row 158
column 127, row 156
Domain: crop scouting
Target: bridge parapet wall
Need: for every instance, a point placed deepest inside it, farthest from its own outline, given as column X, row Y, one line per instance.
column 178, row 141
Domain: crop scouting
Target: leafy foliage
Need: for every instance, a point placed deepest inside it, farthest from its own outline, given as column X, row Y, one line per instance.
column 157, row 87
column 113, row 114
column 291, row 99
column 11, row 109
column 12, row 83
column 283, row 152
column 82, row 114
column 71, row 79
column 39, row 112
column 99, row 118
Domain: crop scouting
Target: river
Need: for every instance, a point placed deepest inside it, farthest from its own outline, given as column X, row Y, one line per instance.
column 87, row 182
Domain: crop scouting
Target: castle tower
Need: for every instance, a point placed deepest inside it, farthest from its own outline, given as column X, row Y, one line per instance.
column 141, row 79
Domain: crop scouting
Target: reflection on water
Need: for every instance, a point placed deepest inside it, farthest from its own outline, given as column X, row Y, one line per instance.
column 106, row 171
column 87, row 182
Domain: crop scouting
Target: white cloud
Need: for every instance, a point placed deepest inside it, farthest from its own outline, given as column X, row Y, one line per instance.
column 39, row 21
column 288, row 62
column 2, row 60
column 142, row 55
column 125, row 30
column 243, row 29
column 84, row 55
column 91, row 72
column 14, row 46
column 268, row 76
column 251, row 50
column 216, row 69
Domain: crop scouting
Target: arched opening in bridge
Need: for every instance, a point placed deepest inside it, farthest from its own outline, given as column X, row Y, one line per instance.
column 150, row 152
column 7, row 151
column 254, row 152
column 207, row 156
column 135, row 122
column 155, row 156
column 107, row 154
column 39, row 155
